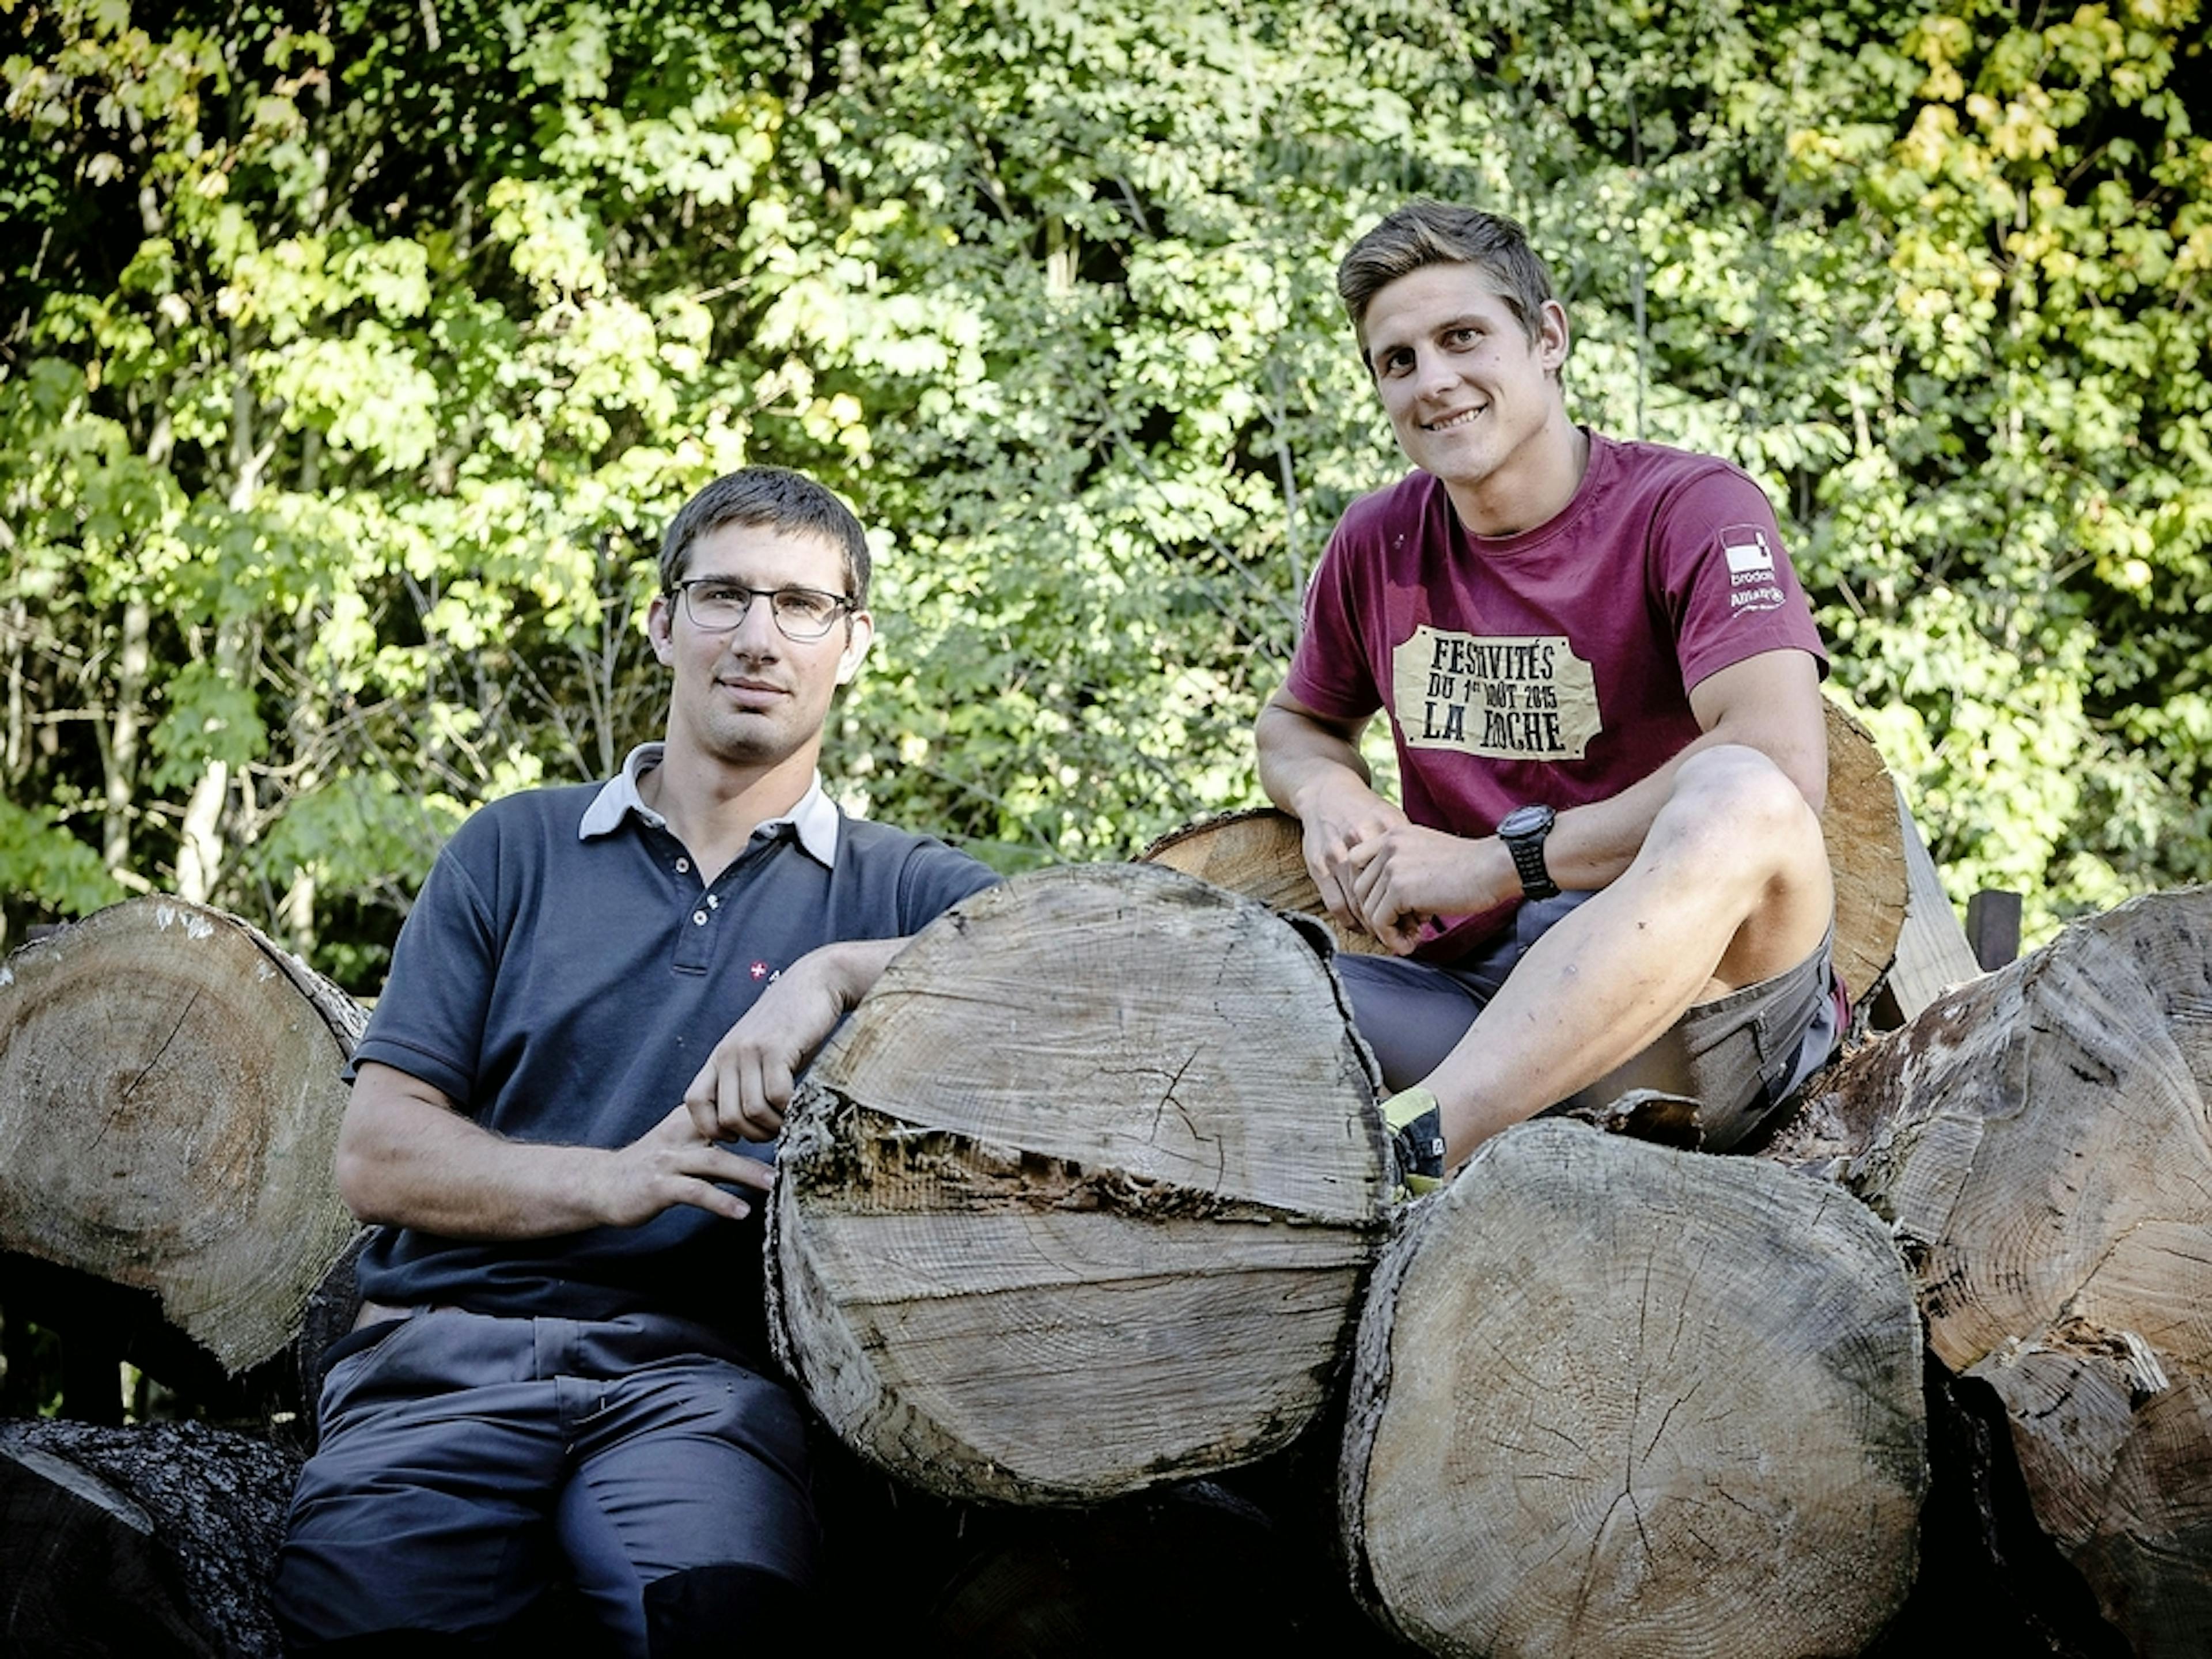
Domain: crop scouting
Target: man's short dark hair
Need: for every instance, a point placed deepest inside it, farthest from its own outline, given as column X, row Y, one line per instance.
column 1422, row 233
column 775, row 498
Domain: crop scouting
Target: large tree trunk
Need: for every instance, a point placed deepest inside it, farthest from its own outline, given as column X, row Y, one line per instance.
column 138, row 1541
column 1081, row 1198
column 1613, row 1398
column 2040, row 1142
column 169, row 1102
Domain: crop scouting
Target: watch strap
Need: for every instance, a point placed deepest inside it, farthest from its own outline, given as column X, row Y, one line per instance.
column 1527, row 847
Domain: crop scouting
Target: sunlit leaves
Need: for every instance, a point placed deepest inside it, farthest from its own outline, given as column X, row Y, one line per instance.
column 356, row 358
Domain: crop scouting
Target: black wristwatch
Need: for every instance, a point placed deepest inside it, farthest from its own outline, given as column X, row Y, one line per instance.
column 1522, row 831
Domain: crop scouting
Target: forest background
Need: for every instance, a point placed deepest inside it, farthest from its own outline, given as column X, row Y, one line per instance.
column 353, row 356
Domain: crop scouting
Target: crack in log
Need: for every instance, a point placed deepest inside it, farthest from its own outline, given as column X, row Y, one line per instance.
column 1587, row 1587
column 132, row 1087
column 1167, row 1099
column 857, row 1160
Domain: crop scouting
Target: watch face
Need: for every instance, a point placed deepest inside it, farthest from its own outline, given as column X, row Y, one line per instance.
column 1525, row 821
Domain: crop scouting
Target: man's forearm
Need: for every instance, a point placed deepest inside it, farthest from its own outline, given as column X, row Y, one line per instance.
column 853, row 966
column 405, row 1157
column 1298, row 755
column 405, row 1160
column 1591, row 846
column 1311, row 767
column 746, row 1085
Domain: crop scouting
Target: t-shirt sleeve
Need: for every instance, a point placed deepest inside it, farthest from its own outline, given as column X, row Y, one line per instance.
column 429, row 1020
column 935, row 878
column 1330, row 673
column 1725, row 579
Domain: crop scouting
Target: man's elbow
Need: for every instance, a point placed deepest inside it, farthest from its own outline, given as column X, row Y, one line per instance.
column 374, row 1137
column 1807, row 771
column 1273, row 734
column 361, row 1183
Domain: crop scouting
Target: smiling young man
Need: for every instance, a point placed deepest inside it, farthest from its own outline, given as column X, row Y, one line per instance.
column 560, row 1370
column 1601, row 678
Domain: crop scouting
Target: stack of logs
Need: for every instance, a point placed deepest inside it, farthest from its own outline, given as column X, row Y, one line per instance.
column 1084, row 1243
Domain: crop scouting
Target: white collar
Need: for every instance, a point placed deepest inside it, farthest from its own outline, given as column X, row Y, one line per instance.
column 814, row 819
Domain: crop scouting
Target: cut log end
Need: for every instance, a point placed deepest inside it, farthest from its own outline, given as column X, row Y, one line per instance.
column 1257, row 852
column 2041, row 1140
column 169, row 1102
column 1613, row 1398
column 1080, row 1200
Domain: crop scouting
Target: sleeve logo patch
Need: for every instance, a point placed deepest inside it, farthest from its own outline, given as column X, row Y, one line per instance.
column 1750, row 555
column 1509, row 698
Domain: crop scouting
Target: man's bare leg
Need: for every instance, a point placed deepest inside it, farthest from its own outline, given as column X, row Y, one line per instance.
column 1731, row 887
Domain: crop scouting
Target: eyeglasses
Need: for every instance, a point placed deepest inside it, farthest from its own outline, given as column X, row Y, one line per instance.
column 802, row 615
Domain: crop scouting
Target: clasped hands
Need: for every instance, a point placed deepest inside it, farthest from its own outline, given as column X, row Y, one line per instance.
column 1378, row 869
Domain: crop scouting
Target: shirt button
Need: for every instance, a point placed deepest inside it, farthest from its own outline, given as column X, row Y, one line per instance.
column 714, row 900
column 698, row 918
column 684, row 866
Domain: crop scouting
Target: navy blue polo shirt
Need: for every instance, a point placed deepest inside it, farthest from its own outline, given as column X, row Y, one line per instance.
column 561, row 978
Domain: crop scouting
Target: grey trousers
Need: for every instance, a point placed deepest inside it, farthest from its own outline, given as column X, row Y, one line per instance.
column 1740, row 1057
column 468, row 1462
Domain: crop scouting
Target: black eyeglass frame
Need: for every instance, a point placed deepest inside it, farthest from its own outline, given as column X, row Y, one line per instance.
column 840, row 604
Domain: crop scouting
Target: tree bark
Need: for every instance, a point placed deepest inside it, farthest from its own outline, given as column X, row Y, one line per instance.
column 144, row 1541
column 1080, row 1199
column 169, row 1105
column 2040, row 1142
column 1611, row 1398
column 119, row 754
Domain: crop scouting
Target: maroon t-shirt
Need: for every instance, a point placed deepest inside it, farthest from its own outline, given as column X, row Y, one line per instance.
column 1553, row 665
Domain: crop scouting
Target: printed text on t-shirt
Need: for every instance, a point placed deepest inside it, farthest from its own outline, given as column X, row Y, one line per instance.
column 1511, row 697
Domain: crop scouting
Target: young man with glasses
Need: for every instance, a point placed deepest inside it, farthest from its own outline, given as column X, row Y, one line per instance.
column 1602, row 680
column 559, row 1127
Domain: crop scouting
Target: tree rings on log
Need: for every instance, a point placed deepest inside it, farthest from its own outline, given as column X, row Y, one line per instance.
column 2042, row 1141
column 169, row 1105
column 1610, row 1398
column 1258, row 854
column 1081, row 1197
column 1865, row 833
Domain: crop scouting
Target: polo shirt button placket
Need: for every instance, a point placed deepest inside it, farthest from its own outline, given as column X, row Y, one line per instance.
column 694, row 939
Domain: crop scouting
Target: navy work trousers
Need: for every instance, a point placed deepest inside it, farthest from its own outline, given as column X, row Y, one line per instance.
column 468, row 1463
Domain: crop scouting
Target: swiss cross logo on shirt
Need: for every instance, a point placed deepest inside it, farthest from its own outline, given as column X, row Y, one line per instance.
column 1751, row 583
column 758, row 970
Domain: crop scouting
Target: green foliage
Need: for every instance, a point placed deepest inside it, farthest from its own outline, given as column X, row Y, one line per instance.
column 53, row 866
column 351, row 360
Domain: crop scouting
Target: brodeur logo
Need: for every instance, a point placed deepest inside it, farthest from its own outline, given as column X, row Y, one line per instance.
column 1749, row 555
column 1751, row 583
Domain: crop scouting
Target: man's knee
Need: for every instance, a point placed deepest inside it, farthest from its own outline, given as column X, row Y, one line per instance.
column 1733, row 806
